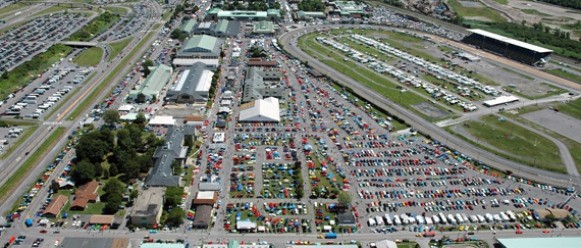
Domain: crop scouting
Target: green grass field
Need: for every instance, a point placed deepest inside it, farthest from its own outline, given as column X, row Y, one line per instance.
column 116, row 10
column 117, row 47
column 31, row 161
column 89, row 57
column 534, row 12
column 49, row 10
column 24, row 73
column 564, row 74
column 523, row 145
column 483, row 11
column 95, row 27
column 12, row 7
column 572, row 108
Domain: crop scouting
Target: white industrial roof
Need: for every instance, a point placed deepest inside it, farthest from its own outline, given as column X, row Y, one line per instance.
column 510, row 41
column 501, row 100
column 262, row 110
column 185, row 62
column 218, row 137
column 162, row 120
column 205, row 195
column 182, row 80
column 126, row 107
column 205, row 81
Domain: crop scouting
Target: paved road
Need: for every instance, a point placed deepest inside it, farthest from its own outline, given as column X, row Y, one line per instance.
column 289, row 41
column 103, row 70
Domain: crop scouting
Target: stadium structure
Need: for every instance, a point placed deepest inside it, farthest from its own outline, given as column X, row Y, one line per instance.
column 507, row 47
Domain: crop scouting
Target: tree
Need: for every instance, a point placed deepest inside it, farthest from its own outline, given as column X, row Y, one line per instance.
column 344, row 198
column 83, row 172
column 92, row 147
column 54, row 186
column 141, row 98
column 111, row 117
column 113, row 187
column 175, row 217
column 113, row 204
column 145, row 65
column 173, row 197
column 140, row 120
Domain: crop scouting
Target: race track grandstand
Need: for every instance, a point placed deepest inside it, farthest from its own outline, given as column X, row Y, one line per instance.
column 507, row 47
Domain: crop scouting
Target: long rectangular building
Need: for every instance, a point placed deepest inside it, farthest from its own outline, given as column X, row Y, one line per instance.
column 508, row 47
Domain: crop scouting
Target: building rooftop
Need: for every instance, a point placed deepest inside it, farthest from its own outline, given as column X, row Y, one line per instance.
column 221, row 26
column 511, row 41
column 188, row 25
column 203, row 216
column 162, row 245
column 196, row 78
column 256, row 85
column 263, row 27
column 261, row 110
column 156, row 80
column 76, row 242
column 562, row 242
column 201, row 43
column 148, row 202
column 56, row 205
column 101, row 219
column 162, row 172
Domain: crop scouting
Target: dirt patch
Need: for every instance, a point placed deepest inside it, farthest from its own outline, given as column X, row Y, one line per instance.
column 431, row 110
column 557, row 122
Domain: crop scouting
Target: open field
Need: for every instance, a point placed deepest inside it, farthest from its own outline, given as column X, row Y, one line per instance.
column 565, row 74
column 518, row 143
column 534, row 12
column 476, row 13
column 117, row 47
column 116, row 10
column 90, row 57
column 367, row 77
column 95, row 27
column 31, row 161
column 12, row 7
column 24, row 73
column 50, row 9
column 572, row 108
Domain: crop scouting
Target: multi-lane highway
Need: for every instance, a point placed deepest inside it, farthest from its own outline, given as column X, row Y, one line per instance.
column 289, row 41
column 19, row 155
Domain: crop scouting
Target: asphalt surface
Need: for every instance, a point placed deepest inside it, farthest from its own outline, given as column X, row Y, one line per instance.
column 289, row 41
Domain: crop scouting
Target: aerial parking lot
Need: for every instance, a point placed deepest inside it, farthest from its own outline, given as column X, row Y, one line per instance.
column 21, row 43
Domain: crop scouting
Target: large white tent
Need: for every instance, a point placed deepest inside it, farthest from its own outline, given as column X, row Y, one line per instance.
column 262, row 110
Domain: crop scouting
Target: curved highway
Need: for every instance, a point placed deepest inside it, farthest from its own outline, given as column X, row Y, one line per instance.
column 289, row 42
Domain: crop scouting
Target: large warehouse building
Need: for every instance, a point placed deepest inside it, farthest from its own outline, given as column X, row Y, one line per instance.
column 510, row 48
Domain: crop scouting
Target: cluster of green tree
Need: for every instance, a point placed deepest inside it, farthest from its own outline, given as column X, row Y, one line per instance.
column 575, row 4
column 178, row 34
column 113, row 196
column 311, row 5
column 95, row 27
column 173, row 215
column 299, row 181
column 257, row 52
column 145, row 66
column 255, row 5
column 215, row 78
column 556, row 38
column 128, row 151
column 24, row 73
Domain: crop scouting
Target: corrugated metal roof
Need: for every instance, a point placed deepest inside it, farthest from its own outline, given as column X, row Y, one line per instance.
column 201, row 41
column 222, row 26
column 562, row 242
column 510, row 41
column 156, row 80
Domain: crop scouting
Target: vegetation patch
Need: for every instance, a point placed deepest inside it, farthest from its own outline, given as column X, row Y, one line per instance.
column 117, row 47
column 22, row 75
column 90, row 57
column 465, row 12
column 565, row 74
column 534, row 12
column 95, row 27
column 524, row 145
